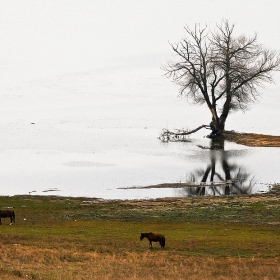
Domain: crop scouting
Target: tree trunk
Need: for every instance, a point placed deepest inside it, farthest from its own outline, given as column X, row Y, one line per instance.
column 218, row 123
column 217, row 126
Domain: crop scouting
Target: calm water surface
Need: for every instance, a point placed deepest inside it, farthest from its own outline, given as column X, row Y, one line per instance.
column 84, row 99
column 77, row 135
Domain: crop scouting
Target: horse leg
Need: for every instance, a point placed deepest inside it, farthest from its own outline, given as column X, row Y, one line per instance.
column 0, row 221
column 11, row 220
column 151, row 245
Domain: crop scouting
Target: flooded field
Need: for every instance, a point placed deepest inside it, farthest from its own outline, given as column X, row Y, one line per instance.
column 78, row 136
column 78, row 119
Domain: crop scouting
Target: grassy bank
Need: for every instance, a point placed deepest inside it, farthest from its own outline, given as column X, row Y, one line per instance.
column 81, row 238
column 252, row 139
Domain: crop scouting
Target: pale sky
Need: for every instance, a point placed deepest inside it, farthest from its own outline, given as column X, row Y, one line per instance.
column 46, row 37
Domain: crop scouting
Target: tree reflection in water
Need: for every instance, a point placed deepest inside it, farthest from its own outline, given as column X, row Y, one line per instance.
column 228, row 179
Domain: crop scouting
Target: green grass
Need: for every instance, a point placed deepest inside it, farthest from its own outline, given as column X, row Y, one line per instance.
column 40, row 210
column 239, row 233
column 225, row 227
column 187, row 239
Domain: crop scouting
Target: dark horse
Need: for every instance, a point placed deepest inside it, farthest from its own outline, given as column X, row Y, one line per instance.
column 8, row 214
column 152, row 237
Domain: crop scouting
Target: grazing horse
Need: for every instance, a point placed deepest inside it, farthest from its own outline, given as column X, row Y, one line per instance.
column 8, row 214
column 152, row 237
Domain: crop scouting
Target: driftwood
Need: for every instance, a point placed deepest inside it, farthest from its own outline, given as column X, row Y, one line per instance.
column 179, row 135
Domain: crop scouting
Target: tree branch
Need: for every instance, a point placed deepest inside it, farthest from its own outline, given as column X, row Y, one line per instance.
column 180, row 135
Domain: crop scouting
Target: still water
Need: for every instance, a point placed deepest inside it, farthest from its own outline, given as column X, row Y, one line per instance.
column 80, row 135
column 222, row 169
column 84, row 99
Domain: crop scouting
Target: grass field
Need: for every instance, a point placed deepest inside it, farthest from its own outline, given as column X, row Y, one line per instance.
column 82, row 238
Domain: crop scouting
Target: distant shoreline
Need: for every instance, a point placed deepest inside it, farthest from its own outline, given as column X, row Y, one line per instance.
column 275, row 191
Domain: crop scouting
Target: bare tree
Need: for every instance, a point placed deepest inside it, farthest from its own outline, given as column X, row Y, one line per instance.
column 216, row 67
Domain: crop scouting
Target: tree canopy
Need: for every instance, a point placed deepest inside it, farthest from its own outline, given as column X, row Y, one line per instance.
column 219, row 67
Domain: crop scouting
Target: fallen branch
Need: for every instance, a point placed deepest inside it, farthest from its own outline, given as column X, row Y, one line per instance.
column 179, row 135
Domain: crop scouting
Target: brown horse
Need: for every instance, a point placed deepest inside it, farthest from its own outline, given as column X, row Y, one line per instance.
column 8, row 214
column 152, row 237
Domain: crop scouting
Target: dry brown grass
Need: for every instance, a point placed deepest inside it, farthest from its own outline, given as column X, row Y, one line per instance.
column 252, row 139
column 29, row 262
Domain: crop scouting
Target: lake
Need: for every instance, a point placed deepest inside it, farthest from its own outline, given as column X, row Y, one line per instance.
column 95, row 133
column 84, row 99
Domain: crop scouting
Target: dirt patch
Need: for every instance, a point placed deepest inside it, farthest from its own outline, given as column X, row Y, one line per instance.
column 252, row 139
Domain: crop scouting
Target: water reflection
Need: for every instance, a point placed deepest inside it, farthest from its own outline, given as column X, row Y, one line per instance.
column 220, row 177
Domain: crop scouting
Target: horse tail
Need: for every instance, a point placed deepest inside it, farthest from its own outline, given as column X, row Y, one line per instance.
column 163, row 242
